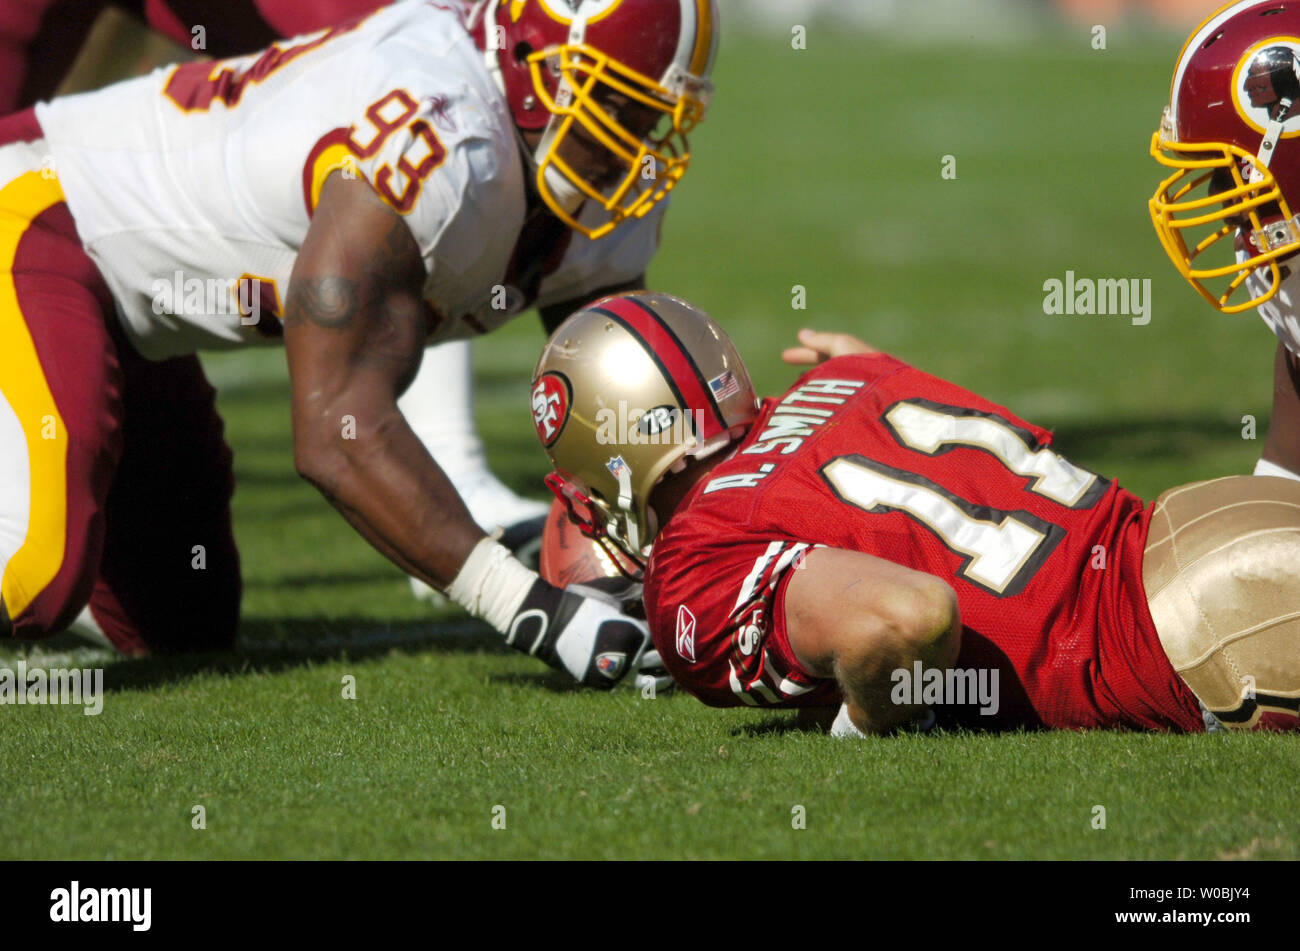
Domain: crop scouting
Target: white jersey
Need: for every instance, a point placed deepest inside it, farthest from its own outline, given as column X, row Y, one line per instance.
column 193, row 188
column 1280, row 313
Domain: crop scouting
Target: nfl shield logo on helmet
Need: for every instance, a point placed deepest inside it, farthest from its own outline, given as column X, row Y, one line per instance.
column 551, row 399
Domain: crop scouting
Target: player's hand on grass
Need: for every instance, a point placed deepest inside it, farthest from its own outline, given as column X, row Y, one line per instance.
column 584, row 632
column 818, row 347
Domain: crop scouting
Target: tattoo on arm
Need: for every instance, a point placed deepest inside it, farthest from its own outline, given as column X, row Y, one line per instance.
column 333, row 302
column 329, row 302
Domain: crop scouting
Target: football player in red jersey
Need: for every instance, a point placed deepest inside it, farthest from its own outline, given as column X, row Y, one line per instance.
column 884, row 539
column 419, row 175
column 1226, row 212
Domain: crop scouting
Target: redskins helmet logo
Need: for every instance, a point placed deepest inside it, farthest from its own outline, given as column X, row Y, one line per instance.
column 551, row 399
column 1266, row 85
column 564, row 11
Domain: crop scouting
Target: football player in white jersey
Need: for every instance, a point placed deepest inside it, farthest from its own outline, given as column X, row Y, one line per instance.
column 40, row 42
column 412, row 177
column 1224, row 215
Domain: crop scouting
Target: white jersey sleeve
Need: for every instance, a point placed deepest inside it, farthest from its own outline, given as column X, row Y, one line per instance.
column 1282, row 312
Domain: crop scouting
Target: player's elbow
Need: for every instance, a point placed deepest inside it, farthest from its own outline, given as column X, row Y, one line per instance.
column 321, row 443
column 317, row 460
column 332, row 444
column 850, row 612
column 931, row 621
column 918, row 620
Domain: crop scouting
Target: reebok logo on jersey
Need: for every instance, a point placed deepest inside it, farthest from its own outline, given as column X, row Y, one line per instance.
column 686, row 633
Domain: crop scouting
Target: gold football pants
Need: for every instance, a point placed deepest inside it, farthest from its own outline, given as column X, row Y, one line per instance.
column 1222, row 574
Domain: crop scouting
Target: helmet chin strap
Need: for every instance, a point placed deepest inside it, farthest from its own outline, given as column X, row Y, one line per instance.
column 566, row 194
column 729, row 440
column 1272, row 133
column 1267, row 149
column 562, row 190
column 625, row 504
column 569, row 196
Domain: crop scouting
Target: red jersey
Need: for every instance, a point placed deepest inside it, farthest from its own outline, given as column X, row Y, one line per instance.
column 868, row 454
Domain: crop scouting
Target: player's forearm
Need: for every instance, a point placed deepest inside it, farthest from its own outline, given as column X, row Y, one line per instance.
column 384, row 482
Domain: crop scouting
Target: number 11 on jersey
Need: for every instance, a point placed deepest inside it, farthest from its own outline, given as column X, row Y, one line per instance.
column 1000, row 550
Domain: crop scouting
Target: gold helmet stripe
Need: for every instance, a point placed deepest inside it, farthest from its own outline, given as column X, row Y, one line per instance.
column 703, row 37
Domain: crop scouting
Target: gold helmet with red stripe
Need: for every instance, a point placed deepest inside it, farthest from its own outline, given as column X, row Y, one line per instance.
column 619, row 83
column 627, row 390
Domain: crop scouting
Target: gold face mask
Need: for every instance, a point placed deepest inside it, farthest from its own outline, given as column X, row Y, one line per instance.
column 618, row 138
column 1219, row 192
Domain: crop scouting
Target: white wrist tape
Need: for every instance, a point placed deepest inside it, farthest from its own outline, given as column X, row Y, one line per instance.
column 1266, row 468
column 844, row 726
column 492, row 584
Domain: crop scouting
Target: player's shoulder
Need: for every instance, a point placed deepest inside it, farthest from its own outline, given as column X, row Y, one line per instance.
column 701, row 550
column 417, row 98
column 889, row 381
column 425, row 49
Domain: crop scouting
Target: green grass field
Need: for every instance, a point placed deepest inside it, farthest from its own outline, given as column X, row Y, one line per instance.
column 818, row 168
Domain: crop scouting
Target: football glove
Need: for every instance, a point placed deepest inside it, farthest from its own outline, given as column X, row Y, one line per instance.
column 582, row 631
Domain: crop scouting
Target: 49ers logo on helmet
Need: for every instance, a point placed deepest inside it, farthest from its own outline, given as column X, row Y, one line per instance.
column 551, row 397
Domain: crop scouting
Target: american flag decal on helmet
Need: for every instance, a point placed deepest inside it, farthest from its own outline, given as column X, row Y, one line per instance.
column 724, row 385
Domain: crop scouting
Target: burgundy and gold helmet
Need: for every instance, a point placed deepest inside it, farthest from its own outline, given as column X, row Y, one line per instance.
column 628, row 77
column 1231, row 132
column 627, row 390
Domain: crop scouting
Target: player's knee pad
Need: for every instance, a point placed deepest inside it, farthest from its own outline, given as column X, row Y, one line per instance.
column 1222, row 575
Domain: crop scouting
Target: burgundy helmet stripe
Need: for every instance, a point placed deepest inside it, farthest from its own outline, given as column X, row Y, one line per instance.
column 675, row 363
column 675, row 346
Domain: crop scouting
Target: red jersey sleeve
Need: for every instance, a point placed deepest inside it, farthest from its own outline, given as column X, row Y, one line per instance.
column 716, row 605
